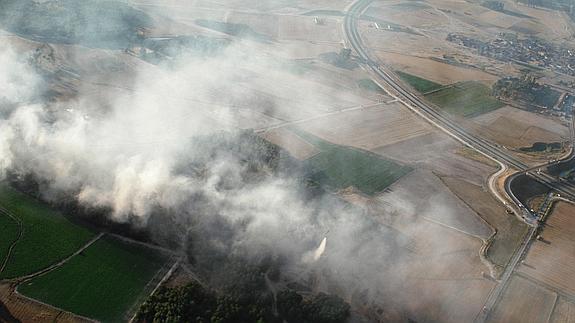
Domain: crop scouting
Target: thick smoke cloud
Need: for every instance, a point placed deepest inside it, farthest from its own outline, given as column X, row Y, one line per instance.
column 129, row 152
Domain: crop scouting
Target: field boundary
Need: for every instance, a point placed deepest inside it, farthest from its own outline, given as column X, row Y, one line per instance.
column 13, row 244
column 133, row 311
column 41, row 272
column 18, row 294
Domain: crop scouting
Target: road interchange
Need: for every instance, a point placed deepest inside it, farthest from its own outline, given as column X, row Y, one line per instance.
column 443, row 121
column 391, row 83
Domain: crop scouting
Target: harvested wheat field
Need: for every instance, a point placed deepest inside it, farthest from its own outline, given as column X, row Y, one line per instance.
column 518, row 128
column 551, row 259
column 524, row 301
column 432, row 70
column 294, row 144
column 305, row 28
column 369, row 128
column 26, row 310
column 564, row 311
column 441, row 277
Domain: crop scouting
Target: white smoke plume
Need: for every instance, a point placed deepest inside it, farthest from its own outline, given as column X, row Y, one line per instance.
column 123, row 151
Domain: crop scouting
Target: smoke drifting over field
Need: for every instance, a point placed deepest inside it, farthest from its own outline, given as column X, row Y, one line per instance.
column 146, row 151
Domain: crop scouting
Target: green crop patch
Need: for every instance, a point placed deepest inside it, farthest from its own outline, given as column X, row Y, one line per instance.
column 420, row 84
column 339, row 167
column 102, row 282
column 9, row 231
column 466, row 99
column 369, row 85
column 47, row 236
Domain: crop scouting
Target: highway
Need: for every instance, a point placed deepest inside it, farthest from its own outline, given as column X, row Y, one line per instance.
column 491, row 150
column 435, row 116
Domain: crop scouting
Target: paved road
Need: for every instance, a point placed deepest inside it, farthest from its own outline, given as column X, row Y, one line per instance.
column 435, row 116
column 444, row 122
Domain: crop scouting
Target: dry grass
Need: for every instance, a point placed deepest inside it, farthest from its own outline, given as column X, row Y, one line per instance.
column 432, row 70
column 552, row 260
column 294, row 144
column 517, row 128
column 510, row 230
column 369, row 128
column 523, row 301
column 564, row 312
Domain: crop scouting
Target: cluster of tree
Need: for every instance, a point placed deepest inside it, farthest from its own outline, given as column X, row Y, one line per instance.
column 156, row 50
column 254, row 153
column 243, row 294
column 108, row 24
column 525, row 89
column 341, row 59
column 564, row 5
column 321, row 308
column 494, row 5
column 194, row 303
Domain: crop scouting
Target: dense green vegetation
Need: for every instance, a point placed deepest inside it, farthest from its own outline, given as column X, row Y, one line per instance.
column 526, row 89
column 420, row 84
column 97, row 23
column 565, row 170
column 9, row 230
column 194, row 303
column 543, row 147
column 466, row 99
column 102, row 282
column 340, row 167
column 342, row 59
column 369, row 85
column 47, row 238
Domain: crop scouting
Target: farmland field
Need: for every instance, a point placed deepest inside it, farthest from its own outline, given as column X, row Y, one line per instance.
column 340, row 167
column 510, row 230
column 9, row 232
column 564, row 311
column 47, row 237
column 552, row 259
column 466, row 99
column 523, row 301
column 420, row 84
column 369, row 128
column 369, row 85
column 102, row 282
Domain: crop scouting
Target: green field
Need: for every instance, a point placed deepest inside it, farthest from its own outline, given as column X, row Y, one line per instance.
column 466, row 99
column 369, row 85
column 339, row 167
column 9, row 231
column 102, row 282
column 418, row 83
column 47, row 237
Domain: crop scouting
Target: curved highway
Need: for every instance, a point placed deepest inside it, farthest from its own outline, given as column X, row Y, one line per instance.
column 437, row 117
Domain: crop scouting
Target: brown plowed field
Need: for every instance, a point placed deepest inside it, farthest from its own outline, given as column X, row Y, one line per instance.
column 524, row 301
column 29, row 311
column 564, row 312
column 294, row 144
column 552, row 260
column 369, row 128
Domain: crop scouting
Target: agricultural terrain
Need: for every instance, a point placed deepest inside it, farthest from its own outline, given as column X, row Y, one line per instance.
column 101, row 282
column 46, row 235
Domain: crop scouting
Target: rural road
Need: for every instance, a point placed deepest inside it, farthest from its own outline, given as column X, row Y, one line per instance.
column 391, row 83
